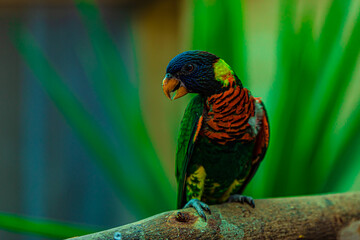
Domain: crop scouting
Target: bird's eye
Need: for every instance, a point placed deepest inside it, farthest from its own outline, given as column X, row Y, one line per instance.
column 189, row 67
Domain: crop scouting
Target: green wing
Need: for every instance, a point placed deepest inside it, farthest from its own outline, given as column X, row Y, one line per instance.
column 190, row 123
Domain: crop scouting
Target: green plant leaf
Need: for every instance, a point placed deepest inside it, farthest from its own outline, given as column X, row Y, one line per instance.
column 43, row 227
column 81, row 121
column 120, row 97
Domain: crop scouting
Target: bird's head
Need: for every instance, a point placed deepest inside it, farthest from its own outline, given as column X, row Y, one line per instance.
column 197, row 72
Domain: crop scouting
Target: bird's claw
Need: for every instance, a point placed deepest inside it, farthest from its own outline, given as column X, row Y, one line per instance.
column 199, row 207
column 241, row 199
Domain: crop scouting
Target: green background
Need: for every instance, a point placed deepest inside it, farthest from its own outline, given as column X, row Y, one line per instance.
column 88, row 138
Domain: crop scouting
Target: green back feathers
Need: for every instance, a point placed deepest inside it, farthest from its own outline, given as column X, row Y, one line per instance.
column 188, row 127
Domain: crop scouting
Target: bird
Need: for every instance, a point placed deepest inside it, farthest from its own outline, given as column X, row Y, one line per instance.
column 224, row 133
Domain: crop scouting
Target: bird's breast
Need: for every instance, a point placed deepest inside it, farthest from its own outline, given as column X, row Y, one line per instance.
column 227, row 116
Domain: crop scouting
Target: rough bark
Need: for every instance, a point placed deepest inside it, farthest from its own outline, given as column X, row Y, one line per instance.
column 310, row 217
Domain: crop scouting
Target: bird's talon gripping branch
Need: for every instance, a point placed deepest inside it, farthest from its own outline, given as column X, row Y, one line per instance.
column 208, row 209
column 253, row 203
column 199, row 207
column 241, row 199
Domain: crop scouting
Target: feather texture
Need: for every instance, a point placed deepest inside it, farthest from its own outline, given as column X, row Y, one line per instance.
column 186, row 142
column 224, row 133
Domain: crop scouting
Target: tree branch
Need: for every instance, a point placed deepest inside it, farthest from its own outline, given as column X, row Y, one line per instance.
column 311, row 217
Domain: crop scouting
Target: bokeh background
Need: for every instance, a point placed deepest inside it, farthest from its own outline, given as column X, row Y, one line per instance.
column 88, row 139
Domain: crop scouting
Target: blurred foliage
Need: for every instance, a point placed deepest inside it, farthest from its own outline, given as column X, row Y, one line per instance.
column 314, row 111
column 314, row 72
column 43, row 227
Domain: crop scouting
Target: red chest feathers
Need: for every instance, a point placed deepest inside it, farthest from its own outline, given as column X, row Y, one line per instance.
column 227, row 116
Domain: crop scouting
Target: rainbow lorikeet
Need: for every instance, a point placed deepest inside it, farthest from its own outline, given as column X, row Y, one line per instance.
column 224, row 133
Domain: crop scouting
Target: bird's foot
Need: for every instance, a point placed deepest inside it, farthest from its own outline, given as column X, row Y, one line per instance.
column 242, row 199
column 199, row 207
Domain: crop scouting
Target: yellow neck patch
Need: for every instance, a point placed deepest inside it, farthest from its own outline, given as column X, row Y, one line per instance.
column 223, row 72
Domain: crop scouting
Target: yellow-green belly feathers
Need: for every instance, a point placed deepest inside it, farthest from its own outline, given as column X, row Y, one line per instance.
column 216, row 172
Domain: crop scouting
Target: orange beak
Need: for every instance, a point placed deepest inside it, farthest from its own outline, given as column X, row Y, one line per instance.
column 173, row 85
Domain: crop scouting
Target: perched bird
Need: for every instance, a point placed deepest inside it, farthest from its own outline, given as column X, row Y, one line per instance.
column 224, row 133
